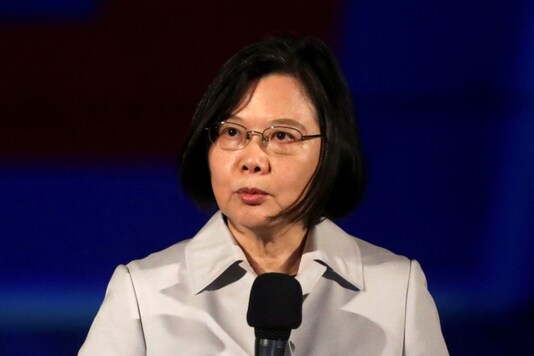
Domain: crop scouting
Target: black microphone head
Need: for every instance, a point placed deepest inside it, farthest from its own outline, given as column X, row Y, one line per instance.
column 275, row 306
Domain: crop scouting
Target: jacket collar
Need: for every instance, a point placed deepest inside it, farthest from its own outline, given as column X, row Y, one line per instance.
column 210, row 253
column 332, row 247
column 328, row 250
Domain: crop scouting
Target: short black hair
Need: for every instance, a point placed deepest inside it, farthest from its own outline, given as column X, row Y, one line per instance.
column 338, row 183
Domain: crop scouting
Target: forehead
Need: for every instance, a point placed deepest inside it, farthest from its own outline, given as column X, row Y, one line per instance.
column 276, row 99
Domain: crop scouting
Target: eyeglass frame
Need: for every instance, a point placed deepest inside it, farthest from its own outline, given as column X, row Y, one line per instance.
column 250, row 133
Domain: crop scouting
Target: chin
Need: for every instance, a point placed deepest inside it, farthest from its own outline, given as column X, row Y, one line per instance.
column 251, row 218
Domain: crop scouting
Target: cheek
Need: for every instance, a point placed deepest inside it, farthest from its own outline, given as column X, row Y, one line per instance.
column 219, row 173
column 215, row 160
column 215, row 172
column 310, row 161
column 308, row 168
column 211, row 167
column 294, row 176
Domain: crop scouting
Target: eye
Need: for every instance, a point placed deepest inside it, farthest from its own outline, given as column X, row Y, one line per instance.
column 283, row 135
column 229, row 132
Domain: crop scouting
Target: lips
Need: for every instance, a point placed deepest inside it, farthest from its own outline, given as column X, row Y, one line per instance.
column 252, row 196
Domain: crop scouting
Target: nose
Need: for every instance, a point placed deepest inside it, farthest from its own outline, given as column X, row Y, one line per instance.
column 254, row 157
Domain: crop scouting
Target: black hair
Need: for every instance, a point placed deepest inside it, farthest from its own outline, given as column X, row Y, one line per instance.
column 338, row 183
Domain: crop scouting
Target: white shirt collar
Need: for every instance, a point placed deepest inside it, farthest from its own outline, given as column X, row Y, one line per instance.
column 329, row 252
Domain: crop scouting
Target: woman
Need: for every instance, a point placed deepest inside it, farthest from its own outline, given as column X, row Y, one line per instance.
column 273, row 144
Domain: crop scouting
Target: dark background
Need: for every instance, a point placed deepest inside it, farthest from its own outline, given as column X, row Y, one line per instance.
column 95, row 97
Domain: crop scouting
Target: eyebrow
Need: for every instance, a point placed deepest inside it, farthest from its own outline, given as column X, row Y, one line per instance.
column 275, row 122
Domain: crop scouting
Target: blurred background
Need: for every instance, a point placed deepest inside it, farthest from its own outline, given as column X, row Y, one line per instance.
column 96, row 95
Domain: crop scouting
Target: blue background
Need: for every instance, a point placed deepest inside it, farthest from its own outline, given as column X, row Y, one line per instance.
column 444, row 92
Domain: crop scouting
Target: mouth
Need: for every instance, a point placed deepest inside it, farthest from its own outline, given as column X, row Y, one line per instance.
column 251, row 196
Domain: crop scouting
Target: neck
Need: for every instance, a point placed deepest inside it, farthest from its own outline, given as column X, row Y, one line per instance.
column 273, row 250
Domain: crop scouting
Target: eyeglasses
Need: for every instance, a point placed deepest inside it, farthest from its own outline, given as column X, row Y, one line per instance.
column 232, row 137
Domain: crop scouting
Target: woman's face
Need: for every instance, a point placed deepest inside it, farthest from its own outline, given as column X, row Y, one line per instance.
column 252, row 184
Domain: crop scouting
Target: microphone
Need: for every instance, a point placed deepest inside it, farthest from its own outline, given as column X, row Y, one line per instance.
column 274, row 309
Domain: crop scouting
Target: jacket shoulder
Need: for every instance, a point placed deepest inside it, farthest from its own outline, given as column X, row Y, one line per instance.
column 373, row 254
column 171, row 255
column 368, row 252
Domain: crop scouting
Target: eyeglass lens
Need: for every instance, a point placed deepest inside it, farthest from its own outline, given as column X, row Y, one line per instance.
column 230, row 136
